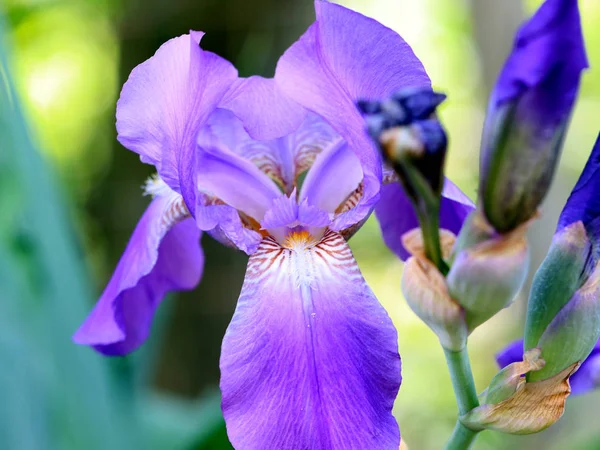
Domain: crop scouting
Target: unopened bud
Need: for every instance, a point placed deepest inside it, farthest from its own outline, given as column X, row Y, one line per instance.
column 528, row 114
column 488, row 273
column 557, row 279
column 425, row 291
column 573, row 333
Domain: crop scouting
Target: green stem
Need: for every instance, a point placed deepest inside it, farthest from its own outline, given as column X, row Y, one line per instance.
column 466, row 396
column 462, row 437
column 431, row 237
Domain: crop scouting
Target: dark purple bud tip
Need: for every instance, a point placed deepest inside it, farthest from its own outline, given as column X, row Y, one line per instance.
column 420, row 103
column 432, row 135
column 402, row 108
column 368, row 107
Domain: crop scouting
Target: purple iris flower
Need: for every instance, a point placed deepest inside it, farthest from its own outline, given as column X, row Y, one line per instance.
column 584, row 380
column 284, row 170
column 528, row 113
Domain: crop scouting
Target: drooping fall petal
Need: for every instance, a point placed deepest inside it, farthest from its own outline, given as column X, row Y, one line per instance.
column 162, row 255
column 310, row 359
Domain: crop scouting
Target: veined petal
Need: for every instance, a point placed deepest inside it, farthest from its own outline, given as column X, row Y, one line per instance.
column 341, row 58
column 335, row 174
column 283, row 159
column 396, row 215
column 286, row 212
column 162, row 255
column 164, row 103
column 310, row 359
column 233, row 179
column 266, row 112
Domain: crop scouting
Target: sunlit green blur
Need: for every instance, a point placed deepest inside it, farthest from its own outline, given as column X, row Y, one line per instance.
column 68, row 60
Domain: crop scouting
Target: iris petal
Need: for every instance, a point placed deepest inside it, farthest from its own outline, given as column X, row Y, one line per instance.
column 310, row 359
column 266, row 112
column 233, row 179
column 396, row 214
column 282, row 159
column 164, row 103
column 335, row 174
column 341, row 58
column 162, row 255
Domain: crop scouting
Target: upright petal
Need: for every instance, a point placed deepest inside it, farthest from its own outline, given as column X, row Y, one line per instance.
column 396, row 214
column 162, row 255
column 164, row 103
column 310, row 359
column 267, row 113
column 341, row 58
column 335, row 174
column 283, row 159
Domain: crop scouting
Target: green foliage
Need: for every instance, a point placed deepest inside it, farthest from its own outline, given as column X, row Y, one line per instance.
column 56, row 395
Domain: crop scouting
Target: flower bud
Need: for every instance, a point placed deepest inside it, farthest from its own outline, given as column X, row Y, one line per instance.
column 563, row 317
column 574, row 331
column 413, row 142
column 528, row 114
column 488, row 269
column 557, row 279
column 425, row 291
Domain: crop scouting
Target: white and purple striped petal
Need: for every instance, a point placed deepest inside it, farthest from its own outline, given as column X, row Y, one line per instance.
column 165, row 102
column 162, row 255
column 343, row 57
column 310, row 359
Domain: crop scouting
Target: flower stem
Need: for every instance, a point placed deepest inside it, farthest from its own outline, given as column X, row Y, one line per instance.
column 466, row 396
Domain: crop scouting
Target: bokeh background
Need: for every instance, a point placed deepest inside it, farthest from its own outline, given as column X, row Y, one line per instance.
column 70, row 195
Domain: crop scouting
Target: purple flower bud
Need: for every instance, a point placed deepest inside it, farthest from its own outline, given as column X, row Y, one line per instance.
column 563, row 317
column 528, row 114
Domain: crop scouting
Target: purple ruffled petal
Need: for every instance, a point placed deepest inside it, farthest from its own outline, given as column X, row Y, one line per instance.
column 164, row 103
column 396, row 215
column 158, row 259
column 266, row 112
column 584, row 380
column 343, row 57
column 310, row 359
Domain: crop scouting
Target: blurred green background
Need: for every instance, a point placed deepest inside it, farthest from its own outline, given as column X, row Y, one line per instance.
column 66, row 216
